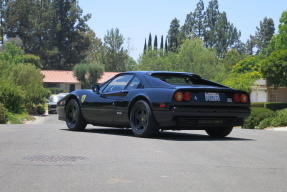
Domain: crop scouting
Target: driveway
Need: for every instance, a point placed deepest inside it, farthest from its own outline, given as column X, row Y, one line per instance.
column 46, row 157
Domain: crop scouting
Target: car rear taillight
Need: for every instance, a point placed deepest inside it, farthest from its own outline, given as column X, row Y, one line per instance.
column 244, row 98
column 178, row 96
column 240, row 98
column 236, row 98
column 187, row 96
column 183, row 96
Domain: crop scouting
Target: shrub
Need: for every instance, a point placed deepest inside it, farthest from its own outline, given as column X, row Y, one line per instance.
column 256, row 116
column 279, row 119
column 41, row 109
column 14, row 118
column 258, row 104
column 3, row 114
column 275, row 106
column 265, row 123
column 12, row 97
column 30, row 79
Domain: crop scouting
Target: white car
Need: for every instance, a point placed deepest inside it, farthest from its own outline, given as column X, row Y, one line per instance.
column 52, row 103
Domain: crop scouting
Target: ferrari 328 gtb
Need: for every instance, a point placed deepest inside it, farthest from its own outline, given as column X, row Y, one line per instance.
column 149, row 101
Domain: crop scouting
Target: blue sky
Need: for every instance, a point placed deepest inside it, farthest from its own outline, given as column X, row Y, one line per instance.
column 137, row 18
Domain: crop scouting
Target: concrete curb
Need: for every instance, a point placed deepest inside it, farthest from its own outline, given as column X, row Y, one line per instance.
column 276, row 129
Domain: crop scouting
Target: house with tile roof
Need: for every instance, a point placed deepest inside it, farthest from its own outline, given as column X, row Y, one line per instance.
column 66, row 80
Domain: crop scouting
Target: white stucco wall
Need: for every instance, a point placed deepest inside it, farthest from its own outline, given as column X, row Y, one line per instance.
column 258, row 95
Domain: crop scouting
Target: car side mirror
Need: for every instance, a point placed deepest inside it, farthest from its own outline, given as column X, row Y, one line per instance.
column 96, row 88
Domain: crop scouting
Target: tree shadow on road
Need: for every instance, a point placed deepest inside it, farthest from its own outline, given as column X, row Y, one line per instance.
column 165, row 135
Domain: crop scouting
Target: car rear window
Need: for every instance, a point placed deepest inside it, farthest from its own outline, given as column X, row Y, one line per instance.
column 181, row 79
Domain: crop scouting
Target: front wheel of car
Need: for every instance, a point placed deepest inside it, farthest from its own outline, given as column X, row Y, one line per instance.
column 219, row 132
column 74, row 118
column 142, row 121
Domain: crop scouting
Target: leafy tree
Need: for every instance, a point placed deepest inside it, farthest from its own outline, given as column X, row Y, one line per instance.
column 192, row 56
column 248, row 64
column 250, row 45
column 54, row 30
column 219, row 33
column 196, row 58
column 31, row 81
column 264, row 33
column 188, row 26
column 116, row 55
column 281, row 38
column 226, row 64
column 3, row 7
column 274, row 68
column 88, row 73
column 155, row 43
column 210, row 20
column 174, row 35
column 131, row 64
column 20, row 80
column 242, row 81
column 198, row 16
column 95, row 53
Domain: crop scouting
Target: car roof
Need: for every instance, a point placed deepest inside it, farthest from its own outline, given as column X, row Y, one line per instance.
column 161, row 72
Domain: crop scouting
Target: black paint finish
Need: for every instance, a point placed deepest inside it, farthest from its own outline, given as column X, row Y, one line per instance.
column 112, row 108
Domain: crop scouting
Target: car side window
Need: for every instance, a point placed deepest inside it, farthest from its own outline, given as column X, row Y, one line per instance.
column 134, row 84
column 118, row 84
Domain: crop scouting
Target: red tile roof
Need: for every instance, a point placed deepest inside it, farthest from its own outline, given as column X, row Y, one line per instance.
column 106, row 76
column 56, row 76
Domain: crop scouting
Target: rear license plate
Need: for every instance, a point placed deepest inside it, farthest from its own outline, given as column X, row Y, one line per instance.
column 212, row 97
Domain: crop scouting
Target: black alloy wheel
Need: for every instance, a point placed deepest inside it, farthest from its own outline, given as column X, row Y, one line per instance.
column 142, row 120
column 74, row 118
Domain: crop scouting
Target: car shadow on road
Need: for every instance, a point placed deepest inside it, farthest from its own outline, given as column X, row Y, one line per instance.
column 165, row 135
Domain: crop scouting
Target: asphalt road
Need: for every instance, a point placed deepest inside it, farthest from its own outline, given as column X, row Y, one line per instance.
column 46, row 157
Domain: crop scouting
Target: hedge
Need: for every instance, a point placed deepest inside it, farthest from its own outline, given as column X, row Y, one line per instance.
column 278, row 119
column 257, row 115
column 275, row 106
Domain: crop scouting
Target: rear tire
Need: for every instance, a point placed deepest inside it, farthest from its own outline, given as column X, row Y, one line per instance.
column 142, row 121
column 74, row 118
column 219, row 132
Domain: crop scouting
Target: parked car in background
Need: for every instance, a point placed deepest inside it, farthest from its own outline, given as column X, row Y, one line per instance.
column 152, row 101
column 52, row 102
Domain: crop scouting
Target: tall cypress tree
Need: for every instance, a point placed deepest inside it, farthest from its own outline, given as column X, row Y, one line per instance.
column 155, row 43
column 161, row 42
column 144, row 51
column 166, row 46
column 149, row 45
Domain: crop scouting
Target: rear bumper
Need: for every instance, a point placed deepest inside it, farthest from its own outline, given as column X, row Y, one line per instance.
column 52, row 108
column 201, row 117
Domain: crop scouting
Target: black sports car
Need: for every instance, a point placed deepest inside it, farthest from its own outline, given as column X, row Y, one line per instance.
column 152, row 101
